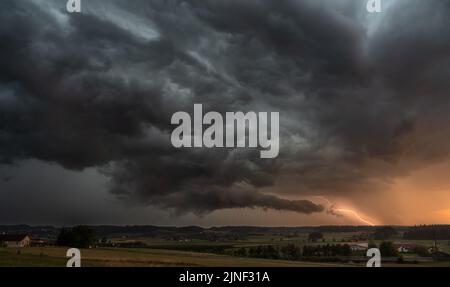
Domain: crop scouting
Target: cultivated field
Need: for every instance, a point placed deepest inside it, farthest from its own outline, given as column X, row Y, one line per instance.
column 55, row 257
column 236, row 248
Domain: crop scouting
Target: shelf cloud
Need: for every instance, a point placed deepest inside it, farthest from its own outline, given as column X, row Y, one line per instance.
column 362, row 99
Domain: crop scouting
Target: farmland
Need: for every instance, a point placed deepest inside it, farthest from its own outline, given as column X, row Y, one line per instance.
column 55, row 257
column 150, row 246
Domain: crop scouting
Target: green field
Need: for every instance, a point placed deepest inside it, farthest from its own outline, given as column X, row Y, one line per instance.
column 143, row 257
column 121, row 250
column 55, row 257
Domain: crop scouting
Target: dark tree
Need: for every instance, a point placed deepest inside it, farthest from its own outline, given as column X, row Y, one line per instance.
column 79, row 237
column 421, row 251
column 388, row 249
column 315, row 236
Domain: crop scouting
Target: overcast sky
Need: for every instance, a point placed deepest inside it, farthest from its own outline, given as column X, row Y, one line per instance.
column 86, row 101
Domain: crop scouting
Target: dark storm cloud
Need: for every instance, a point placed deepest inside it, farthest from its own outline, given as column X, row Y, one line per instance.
column 98, row 89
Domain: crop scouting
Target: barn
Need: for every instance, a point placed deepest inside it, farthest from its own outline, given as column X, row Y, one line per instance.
column 359, row 247
column 14, row 240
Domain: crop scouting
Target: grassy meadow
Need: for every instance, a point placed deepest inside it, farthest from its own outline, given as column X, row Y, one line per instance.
column 182, row 251
column 55, row 257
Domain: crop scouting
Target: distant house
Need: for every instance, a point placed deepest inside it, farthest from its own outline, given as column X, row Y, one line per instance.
column 359, row 247
column 406, row 248
column 15, row 240
column 434, row 249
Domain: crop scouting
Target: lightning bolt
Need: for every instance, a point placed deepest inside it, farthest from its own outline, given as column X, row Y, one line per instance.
column 336, row 211
column 355, row 214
